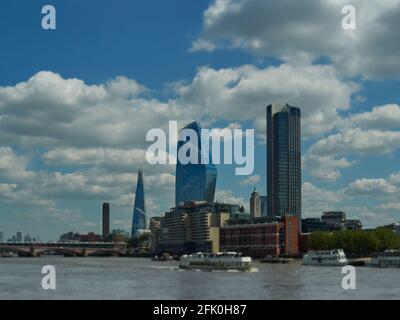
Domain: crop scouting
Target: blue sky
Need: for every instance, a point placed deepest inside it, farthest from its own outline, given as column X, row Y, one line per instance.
column 77, row 102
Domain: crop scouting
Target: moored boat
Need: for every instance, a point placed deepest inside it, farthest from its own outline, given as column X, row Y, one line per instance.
column 217, row 261
column 387, row 259
column 335, row 257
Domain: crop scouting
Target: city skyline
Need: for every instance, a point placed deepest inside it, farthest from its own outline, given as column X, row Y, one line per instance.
column 73, row 122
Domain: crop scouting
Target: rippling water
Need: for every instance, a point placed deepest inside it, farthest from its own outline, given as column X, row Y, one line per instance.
column 134, row 278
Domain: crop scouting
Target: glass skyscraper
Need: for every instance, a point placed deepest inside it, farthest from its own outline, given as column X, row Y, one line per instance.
column 139, row 211
column 283, row 160
column 194, row 182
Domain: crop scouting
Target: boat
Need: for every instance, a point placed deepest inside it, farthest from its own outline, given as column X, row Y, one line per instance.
column 334, row 257
column 271, row 259
column 216, row 261
column 387, row 259
column 9, row 255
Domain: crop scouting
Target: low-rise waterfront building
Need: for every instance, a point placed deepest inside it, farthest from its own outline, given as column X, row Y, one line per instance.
column 261, row 237
column 330, row 221
column 192, row 227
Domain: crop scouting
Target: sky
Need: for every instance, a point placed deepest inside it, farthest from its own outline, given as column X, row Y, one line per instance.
column 76, row 103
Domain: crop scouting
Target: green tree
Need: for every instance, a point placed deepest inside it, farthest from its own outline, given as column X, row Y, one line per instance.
column 388, row 240
column 320, row 240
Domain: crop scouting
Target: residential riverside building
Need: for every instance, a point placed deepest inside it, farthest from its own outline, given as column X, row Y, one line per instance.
column 284, row 161
column 194, row 182
column 192, row 227
column 261, row 237
column 139, row 219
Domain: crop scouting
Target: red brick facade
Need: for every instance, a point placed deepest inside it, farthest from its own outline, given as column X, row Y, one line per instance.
column 261, row 239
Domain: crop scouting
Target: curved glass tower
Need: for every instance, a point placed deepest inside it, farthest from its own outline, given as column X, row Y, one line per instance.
column 194, row 182
column 139, row 211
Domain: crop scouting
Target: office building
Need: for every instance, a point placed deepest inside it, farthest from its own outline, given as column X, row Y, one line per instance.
column 194, row 181
column 19, row 237
column 106, row 222
column 264, row 206
column 139, row 219
column 331, row 221
column 283, row 161
column 1, row 236
column 261, row 237
column 255, row 205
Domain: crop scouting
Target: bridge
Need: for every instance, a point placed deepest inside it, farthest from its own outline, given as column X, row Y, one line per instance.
column 69, row 249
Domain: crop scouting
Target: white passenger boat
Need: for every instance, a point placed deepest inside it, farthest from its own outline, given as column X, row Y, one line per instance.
column 218, row 261
column 335, row 257
column 388, row 259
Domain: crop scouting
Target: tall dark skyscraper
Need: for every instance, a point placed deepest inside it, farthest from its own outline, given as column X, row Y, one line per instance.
column 195, row 182
column 139, row 211
column 106, row 221
column 283, row 160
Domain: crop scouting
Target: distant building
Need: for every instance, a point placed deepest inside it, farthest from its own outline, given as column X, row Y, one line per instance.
column 118, row 235
column 155, row 228
column 330, row 221
column 106, row 222
column 139, row 219
column 90, row 237
column 27, row 239
column 194, row 181
column 284, row 161
column 255, row 205
column 1, row 236
column 261, row 237
column 192, row 227
column 18, row 237
column 69, row 237
column 264, row 206
column 334, row 217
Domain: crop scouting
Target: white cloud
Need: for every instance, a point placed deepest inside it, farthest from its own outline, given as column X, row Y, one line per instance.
column 309, row 29
column 325, row 167
column 316, row 200
column 251, row 181
column 371, row 187
column 356, row 141
column 227, row 196
column 50, row 111
column 240, row 94
column 12, row 166
column 384, row 118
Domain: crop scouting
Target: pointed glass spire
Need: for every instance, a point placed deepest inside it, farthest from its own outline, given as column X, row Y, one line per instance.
column 139, row 211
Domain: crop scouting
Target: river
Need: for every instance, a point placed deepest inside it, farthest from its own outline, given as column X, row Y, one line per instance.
column 138, row 278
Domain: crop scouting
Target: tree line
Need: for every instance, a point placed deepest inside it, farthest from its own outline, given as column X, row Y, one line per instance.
column 359, row 241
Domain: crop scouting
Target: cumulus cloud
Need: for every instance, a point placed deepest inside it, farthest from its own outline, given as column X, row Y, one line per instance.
column 251, row 181
column 316, row 199
column 227, row 196
column 240, row 94
column 325, row 167
column 384, row 118
column 371, row 187
column 357, row 141
column 307, row 30
column 51, row 111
